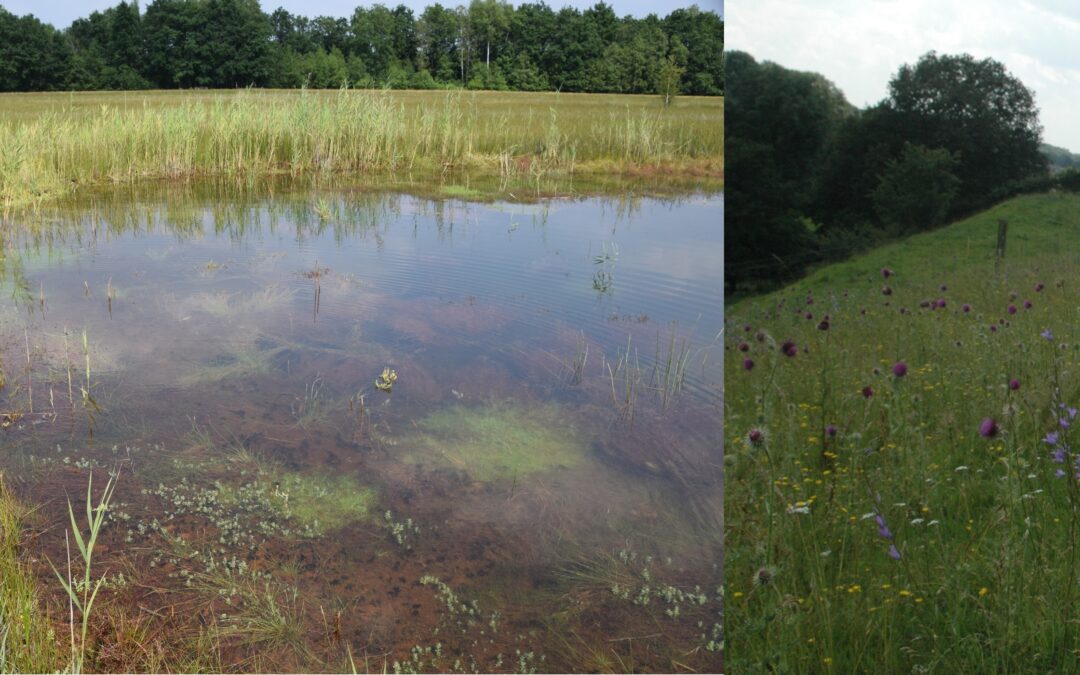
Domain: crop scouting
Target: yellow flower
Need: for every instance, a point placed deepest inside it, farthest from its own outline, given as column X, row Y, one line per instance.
column 983, row 591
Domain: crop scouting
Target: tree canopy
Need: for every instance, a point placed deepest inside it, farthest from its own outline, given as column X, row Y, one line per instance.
column 488, row 44
column 812, row 178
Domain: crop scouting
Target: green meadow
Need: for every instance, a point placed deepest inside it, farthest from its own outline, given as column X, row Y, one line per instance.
column 902, row 462
column 53, row 144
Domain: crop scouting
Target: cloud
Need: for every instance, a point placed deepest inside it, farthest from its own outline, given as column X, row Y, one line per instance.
column 860, row 45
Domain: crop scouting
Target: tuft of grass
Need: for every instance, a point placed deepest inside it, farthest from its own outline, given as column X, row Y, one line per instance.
column 460, row 192
column 28, row 643
column 263, row 616
column 83, row 593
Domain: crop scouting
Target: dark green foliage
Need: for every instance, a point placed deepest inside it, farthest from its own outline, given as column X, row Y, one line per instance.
column 235, row 45
column 172, row 39
column 703, row 35
column 975, row 109
column 916, row 189
column 779, row 123
column 954, row 135
column 33, row 55
column 488, row 44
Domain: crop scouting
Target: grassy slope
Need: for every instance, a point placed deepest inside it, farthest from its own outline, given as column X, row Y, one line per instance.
column 989, row 536
column 52, row 142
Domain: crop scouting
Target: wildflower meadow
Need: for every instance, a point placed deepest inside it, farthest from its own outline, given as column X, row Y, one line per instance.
column 902, row 456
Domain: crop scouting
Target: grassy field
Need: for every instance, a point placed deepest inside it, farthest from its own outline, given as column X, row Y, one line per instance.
column 51, row 144
column 902, row 469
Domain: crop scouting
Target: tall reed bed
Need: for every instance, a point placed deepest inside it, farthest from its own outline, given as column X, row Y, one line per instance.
column 352, row 131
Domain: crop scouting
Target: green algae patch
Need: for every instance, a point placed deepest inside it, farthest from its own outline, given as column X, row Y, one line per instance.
column 331, row 501
column 497, row 441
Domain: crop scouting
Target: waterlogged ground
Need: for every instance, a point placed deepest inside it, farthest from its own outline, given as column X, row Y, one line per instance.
column 538, row 491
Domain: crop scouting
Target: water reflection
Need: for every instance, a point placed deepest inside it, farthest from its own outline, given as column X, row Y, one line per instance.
column 541, row 480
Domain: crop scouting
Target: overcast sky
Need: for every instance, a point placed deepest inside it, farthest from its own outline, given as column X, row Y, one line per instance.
column 61, row 13
column 859, row 45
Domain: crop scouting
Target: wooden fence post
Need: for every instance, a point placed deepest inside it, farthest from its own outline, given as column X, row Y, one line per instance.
column 1003, row 229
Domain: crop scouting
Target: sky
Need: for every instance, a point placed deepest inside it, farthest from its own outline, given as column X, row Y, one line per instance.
column 860, row 44
column 61, row 13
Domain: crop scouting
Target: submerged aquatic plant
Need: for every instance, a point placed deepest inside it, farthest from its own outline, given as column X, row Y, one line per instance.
column 496, row 441
column 385, row 381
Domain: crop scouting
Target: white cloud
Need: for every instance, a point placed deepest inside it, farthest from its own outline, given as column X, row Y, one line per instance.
column 860, row 45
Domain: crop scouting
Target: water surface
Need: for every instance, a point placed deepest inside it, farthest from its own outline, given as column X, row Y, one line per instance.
column 539, row 489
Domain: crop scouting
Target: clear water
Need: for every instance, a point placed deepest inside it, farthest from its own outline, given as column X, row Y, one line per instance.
column 539, row 489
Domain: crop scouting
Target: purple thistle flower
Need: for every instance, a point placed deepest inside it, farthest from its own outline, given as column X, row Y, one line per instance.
column 1039, row 287
column 867, row 391
column 744, row 347
column 830, row 430
column 965, row 308
column 894, row 552
column 760, row 336
column 748, row 364
column 993, row 328
column 886, row 272
column 756, row 436
column 747, row 327
column 809, row 316
column 988, row 428
column 789, row 349
column 899, row 369
column 1027, row 304
column 1012, row 309
column 824, row 325
column 941, row 302
column 944, row 288
column 1014, row 384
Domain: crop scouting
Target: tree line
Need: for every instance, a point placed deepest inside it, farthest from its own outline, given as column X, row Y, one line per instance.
column 490, row 44
column 812, row 178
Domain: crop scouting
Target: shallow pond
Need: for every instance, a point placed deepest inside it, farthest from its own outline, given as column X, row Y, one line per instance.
column 376, row 430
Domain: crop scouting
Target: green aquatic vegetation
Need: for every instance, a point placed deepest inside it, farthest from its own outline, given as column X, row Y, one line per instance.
column 308, row 410
column 225, row 304
column 327, row 501
column 401, row 531
column 497, row 441
column 238, row 360
column 460, row 192
column 274, row 504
